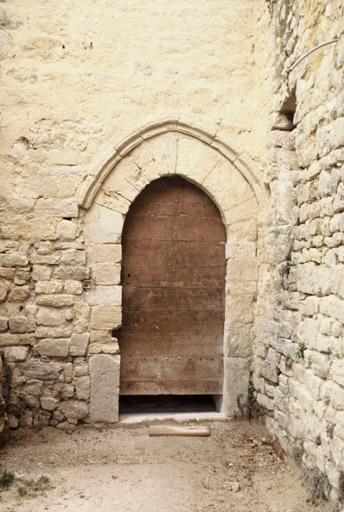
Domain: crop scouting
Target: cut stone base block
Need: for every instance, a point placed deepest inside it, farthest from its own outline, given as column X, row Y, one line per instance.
column 105, row 372
column 236, row 383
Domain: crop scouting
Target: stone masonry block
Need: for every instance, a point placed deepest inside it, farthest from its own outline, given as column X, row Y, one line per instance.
column 105, row 295
column 79, row 344
column 16, row 353
column 237, row 377
column 106, row 273
column 56, row 347
column 105, row 372
column 103, row 225
column 104, row 253
column 21, row 324
column 106, row 317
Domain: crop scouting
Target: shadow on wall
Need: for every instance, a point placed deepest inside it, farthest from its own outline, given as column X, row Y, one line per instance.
column 4, row 394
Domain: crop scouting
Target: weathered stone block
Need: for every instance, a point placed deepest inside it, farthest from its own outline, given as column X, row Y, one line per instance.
column 337, row 371
column 73, row 257
column 265, row 402
column 73, row 287
column 13, row 421
column 113, row 201
column 241, row 309
column 103, row 225
column 33, row 387
column 56, row 301
column 333, row 307
column 71, row 272
column 45, row 259
column 14, row 259
column 66, row 230
column 227, row 187
column 119, row 184
column 105, row 295
column 45, row 247
column 67, row 391
column 82, row 312
column 242, row 269
column 320, row 363
column 80, row 367
column 237, row 340
column 50, row 316
column 22, row 277
column 19, row 294
column 104, row 348
column 56, row 207
column 194, row 159
column 82, row 387
column 36, row 369
column 106, row 273
column 56, row 347
column 56, row 331
column 16, row 353
column 4, row 287
column 8, row 339
column 41, row 272
column 337, row 396
column 49, row 403
column 21, row 324
column 103, row 253
column 106, row 317
column 7, row 273
column 236, row 382
column 68, row 372
column 101, row 336
column 74, row 409
column 53, row 286
column 104, row 372
column 271, row 365
column 32, row 401
column 79, row 344
column 3, row 323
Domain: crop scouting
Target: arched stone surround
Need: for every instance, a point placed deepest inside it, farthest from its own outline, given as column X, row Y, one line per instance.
column 161, row 149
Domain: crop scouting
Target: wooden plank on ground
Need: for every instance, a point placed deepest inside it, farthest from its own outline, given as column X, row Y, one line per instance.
column 179, row 430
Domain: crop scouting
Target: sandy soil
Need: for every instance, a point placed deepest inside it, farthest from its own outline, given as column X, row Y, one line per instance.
column 125, row 470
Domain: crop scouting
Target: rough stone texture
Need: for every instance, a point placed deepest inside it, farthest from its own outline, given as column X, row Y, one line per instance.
column 237, row 376
column 298, row 364
column 104, row 372
column 74, row 410
column 78, row 344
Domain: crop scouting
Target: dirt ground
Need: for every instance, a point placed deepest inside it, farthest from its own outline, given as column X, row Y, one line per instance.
column 122, row 469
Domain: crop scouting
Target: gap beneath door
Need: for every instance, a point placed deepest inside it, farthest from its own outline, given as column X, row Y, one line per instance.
column 138, row 409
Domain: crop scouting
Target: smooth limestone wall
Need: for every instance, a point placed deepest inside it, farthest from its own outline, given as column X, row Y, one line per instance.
column 299, row 363
column 76, row 79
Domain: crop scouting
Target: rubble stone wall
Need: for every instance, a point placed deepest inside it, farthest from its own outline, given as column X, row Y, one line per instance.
column 299, row 362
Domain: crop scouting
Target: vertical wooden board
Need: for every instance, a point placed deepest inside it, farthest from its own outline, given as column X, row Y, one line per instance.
column 173, row 277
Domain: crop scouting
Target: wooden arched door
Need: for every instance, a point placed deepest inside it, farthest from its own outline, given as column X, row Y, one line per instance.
column 173, row 278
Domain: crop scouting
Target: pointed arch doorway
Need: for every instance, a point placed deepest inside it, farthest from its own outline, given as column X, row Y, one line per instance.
column 173, row 278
